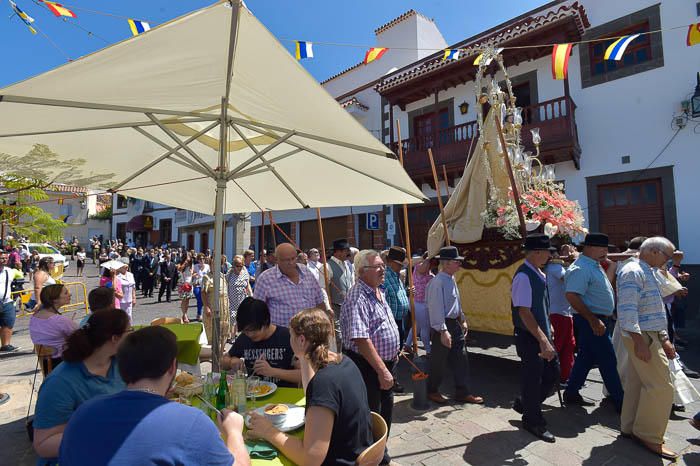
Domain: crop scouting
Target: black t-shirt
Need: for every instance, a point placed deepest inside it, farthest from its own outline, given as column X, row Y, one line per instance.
column 276, row 349
column 340, row 388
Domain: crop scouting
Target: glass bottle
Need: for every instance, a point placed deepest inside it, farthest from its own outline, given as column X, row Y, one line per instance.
column 221, row 392
column 240, row 387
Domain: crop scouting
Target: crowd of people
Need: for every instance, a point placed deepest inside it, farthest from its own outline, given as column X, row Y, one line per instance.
column 337, row 330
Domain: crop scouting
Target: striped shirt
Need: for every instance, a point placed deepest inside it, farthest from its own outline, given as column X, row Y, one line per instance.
column 363, row 315
column 640, row 307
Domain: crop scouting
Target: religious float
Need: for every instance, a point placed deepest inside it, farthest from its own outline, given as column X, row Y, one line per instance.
column 504, row 194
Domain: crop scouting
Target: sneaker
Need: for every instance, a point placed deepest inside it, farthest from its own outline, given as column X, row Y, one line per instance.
column 9, row 349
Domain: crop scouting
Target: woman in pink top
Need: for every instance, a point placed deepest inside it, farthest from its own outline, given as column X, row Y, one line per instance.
column 109, row 280
column 421, row 277
column 47, row 327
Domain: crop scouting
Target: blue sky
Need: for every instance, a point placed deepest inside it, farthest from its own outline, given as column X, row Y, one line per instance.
column 25, row 55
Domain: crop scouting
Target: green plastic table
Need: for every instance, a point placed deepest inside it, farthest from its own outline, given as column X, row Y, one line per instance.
column 293, row 396
column 188, row 347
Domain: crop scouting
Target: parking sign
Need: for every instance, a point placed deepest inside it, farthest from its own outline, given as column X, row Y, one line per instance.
column 373, row 221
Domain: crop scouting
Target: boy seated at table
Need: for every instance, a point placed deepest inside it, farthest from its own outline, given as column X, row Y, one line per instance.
column 140, row 426
column 264, row 346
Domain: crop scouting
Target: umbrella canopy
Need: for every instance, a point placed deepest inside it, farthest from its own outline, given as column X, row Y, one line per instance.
column 146, row 113
column 113, row 265
column 207, row 113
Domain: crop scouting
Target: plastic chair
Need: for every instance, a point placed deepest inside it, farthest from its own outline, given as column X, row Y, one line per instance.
column 166, row 320
column 374, row 454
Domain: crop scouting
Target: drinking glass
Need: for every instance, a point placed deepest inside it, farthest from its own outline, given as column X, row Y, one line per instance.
column 253, row 382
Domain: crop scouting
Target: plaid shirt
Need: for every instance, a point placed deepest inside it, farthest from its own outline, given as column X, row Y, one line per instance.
column 396, row 294
column 284, row 298
column 365, row 316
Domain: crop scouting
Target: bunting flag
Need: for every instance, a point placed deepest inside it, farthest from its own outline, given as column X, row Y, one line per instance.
column 451, row 54
column 693, row 34
column 59, row 10
column 617, row 49
column 488, row 61
column 138, row 27
column 375, row 53
column 26, row 19
column 560, row 60
column 304, row 49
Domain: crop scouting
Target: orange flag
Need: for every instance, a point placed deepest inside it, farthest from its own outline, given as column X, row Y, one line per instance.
column 560, row 60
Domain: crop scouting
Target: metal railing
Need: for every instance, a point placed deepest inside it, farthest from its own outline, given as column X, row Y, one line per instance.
column 78, row 305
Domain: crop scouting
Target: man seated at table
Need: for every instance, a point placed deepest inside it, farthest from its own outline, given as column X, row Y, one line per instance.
column 264, row 346
column 140, row 426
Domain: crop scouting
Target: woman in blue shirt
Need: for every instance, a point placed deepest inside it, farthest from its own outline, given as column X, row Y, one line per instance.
column 88, row 370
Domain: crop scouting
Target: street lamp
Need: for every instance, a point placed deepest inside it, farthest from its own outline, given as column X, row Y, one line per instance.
column 695, row 100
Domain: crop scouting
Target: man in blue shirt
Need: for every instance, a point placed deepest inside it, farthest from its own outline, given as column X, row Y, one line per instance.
column 140, row 426
column 590, row 294
column 448, row 327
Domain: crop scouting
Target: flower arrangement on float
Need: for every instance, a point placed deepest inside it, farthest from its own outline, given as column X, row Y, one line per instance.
column 544, row 207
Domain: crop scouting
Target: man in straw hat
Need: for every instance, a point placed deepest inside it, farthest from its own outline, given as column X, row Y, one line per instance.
column 448, row 328
column 590, row 294
column 533, row 336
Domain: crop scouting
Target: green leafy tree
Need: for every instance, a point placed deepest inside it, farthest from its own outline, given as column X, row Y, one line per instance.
column 23, row 184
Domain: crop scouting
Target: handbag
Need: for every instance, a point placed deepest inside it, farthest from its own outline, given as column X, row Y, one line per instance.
column 186, row 287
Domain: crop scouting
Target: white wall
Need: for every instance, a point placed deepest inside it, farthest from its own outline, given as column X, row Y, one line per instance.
column 628, row 116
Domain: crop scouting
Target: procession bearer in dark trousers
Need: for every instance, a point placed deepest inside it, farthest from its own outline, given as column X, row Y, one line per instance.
column 448, row 327
column 533, row 336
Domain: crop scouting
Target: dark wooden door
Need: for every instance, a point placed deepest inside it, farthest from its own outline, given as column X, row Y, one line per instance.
column 631, row 209
column 203, row 242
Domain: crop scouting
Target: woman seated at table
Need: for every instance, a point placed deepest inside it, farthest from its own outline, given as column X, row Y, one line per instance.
column 337, row 427
column 47, row 327
column 88, row 370
column 264, row 346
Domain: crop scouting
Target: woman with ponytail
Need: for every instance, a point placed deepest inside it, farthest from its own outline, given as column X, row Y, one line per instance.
column 88, row 370
column 337, row 427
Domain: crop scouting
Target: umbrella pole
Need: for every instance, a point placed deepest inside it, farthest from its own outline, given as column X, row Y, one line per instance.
column 409, row 272
column 262, row 232
column 272, row 230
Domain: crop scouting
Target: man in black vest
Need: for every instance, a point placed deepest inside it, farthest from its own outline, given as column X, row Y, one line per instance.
column 533, row 336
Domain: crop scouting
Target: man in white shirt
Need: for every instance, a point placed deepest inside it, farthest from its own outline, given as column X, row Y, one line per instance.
column 7, row 312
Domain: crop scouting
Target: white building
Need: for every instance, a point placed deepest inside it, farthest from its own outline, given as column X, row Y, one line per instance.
column 614, row 130
column 354, row 88
column 148, row 223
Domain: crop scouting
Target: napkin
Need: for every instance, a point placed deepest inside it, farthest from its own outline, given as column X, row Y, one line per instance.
column 261, row 450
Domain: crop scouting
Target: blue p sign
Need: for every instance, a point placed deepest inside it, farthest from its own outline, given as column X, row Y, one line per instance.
column 373, row 221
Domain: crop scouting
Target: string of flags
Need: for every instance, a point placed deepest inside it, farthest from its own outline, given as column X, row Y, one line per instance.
column 304, row 49
column 61, row 11
column 375, row 53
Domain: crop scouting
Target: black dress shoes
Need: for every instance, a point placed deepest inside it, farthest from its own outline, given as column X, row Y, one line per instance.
column 574, row 399
column 540, row 432
column 518, row 406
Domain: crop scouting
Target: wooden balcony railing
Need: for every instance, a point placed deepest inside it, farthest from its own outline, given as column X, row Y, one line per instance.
column 452, row 146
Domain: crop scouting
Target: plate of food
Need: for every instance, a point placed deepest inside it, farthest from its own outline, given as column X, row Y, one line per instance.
column 284, row 417
column 262, row 389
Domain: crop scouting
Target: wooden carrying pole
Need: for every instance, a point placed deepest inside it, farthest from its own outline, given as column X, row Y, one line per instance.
column 439, row 196
column 325, row 268
column 272, row 230
column 262, row 234
column 509, row 168
column 409, row 272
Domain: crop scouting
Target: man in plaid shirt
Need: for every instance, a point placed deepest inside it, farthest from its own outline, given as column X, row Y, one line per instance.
column 370, row 336
column 288, row 288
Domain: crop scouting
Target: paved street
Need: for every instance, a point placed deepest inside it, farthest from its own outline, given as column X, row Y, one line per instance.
column 455, row 434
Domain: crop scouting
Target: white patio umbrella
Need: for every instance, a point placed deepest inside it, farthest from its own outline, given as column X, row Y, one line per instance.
column 151, row 112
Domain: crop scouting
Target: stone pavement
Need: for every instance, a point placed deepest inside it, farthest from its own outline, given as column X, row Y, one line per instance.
column 450, row 435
